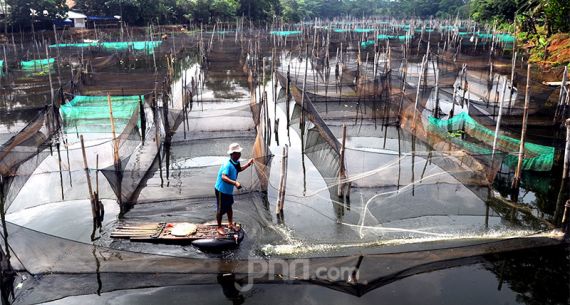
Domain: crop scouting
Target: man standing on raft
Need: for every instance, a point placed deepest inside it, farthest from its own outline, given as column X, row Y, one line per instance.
column 227, row 179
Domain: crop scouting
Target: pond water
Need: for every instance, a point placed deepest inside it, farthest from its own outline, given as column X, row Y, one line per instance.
column 402, row 195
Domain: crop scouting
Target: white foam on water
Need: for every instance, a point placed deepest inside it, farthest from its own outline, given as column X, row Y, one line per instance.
column 298, row 247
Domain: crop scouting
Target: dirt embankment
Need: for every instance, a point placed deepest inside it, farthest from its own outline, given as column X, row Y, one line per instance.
column 558, row 50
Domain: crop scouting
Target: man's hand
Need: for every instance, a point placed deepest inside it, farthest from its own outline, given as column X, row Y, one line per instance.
column 238, row 185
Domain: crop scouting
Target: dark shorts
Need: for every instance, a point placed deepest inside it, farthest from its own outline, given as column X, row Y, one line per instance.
column 224, row 202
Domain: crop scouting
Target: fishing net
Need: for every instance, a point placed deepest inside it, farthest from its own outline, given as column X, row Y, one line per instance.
column 338, row 82
column 285, row 33
column 399, row 37
column 102, row 269
column 38, row 65
column 411, row 200
column 119, row 83
column 147, row 46
column 60, row 177
column 363, row 30
column 91, row 114
column 536, row 157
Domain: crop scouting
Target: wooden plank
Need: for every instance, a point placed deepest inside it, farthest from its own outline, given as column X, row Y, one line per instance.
column 554, row 84
column 161, row 231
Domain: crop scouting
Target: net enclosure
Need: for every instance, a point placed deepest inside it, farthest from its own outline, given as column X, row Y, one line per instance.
column 38, row 65
column 146, row 46
column 91, row 114
column 536, row 158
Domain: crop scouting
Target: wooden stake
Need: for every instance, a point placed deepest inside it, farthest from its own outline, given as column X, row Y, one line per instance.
column 342, row 168
column 512, row 81
column 97, row 173
column 115, row 142
column 567, row 151
column 302, row 122
column 282, row 181
column 436, row 109
column 420, row 74
column 517, row 178
column 498, row 125
column 49, row 77
column 89, row 186
column 562, row 96
column 566, row 220
column 5, row 60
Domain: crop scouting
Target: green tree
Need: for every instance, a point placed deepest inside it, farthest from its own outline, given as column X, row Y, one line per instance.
column 134, row 12
column 24, row 14
column 259, row 10
column 552, row 14
column 207, row 11
column 223, row 9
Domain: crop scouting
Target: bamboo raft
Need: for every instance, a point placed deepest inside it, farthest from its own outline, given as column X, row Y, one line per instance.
column 203, row 236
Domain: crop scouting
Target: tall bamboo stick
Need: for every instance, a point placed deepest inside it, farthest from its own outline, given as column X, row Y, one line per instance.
column 282, row 181
column 516, row 179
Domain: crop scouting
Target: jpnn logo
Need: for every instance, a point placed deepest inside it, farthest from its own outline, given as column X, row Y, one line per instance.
column 298, row 269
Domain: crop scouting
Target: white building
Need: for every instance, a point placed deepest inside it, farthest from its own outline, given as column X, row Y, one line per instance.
column 78, row 19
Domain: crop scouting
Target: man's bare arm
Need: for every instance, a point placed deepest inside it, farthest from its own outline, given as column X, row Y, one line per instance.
column 248, row 164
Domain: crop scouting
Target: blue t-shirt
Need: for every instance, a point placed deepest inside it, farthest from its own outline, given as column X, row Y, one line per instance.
column 229, row 168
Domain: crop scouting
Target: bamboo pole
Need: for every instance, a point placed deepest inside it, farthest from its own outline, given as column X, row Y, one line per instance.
column 563, row 86
column 49, row 77
column 89, row 186
column 517, row 177
column 436, row 109
column 115, row 142
column 302, row 122
column 498, row 125
column 5, row 60
column 420, row 74
column 58, row 145
column 566, row 151
column 513, row 65
column 342, row 168
column 563, row 93
column 566, row 220
column 282, row 181
column 97, row 173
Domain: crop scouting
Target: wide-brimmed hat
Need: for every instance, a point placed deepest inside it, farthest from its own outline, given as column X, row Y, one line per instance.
column 233, row 148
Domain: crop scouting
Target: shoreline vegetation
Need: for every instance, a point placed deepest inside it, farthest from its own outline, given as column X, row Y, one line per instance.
column 539, row 26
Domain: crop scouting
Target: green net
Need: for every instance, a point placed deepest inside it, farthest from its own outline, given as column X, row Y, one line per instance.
column 363, row 30
column 285, row 33
column 485, row 35
column 506, row 38
column 147, row 46
column 90, row 114
column 341, row 30
column 135, row 45
column 537, row 157
column 399, row 37
column 37, row 65
column 75, row 45
column 368, row 43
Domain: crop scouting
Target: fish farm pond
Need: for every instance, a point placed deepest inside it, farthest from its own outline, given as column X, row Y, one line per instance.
column 389, row 156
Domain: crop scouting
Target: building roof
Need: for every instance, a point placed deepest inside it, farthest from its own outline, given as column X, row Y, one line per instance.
column 75, row 15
